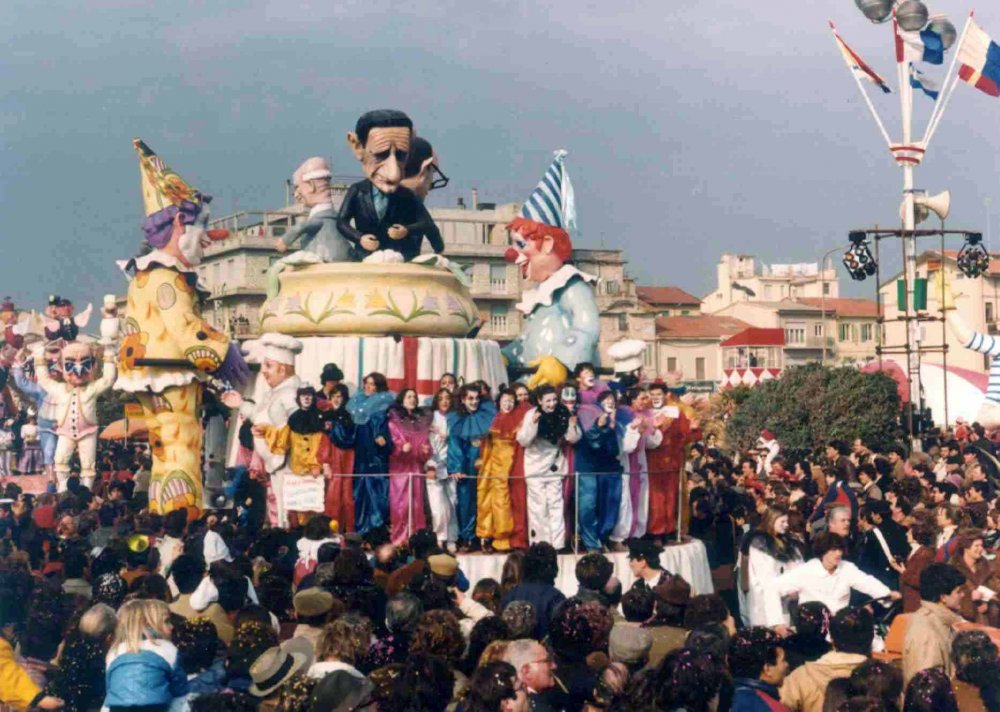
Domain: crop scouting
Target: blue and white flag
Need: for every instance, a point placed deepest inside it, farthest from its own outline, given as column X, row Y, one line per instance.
column 919, row 80
column 919, row 46
column 552, row 201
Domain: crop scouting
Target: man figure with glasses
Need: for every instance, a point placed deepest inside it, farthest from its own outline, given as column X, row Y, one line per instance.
column 385, row 214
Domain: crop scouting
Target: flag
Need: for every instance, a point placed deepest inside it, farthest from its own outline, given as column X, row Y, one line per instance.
column 919, row 80
column 979, row 61
column 552, row 202
column 919, row 46
column 857, row 65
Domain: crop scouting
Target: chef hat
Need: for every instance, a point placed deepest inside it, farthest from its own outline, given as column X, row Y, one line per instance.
column 627, row 354
column 275, row 347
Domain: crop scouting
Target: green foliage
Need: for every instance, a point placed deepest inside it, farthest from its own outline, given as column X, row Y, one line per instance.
column 111, row 407
column 812, row 404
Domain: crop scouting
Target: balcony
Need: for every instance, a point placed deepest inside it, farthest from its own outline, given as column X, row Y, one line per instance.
column 494, row 288
column 812, row 343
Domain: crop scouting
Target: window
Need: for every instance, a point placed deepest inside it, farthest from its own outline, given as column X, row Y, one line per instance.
column 498, row 319
column 818, row 330
column 623, row 322
column 795, row 333
column 699, row 368
column 685, row 312
column 487, row 231
column 230, row 270
column 611, row 287
column 498, row 277
column 647, row 357
column 989, row 312
column 843, row 332
column 867, row 332
column 671, row 363
column 826, row 289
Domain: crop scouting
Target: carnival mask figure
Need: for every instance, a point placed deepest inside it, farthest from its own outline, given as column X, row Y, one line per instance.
column 320, row 241
column 422, row 172
column 379, row 213
column 60, row 321
column 164, row 325
column 562, row 326
column 74, row 403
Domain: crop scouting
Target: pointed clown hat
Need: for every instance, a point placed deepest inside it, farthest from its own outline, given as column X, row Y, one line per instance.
column 164, row 195
column 552, row 202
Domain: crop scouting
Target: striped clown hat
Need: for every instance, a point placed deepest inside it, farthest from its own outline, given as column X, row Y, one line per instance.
column 552, row 202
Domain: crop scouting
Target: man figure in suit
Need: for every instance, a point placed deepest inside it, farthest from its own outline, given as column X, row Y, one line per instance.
column 385, row 215
column 321, row 242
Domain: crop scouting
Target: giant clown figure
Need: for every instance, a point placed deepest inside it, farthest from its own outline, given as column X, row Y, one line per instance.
column 167, row 349
column 562, row 324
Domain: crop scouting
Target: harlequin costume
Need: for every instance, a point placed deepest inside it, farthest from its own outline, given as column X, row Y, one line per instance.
column 371, row 494
column 666, row 463
column 500, row 452
column 340, row 486
column 406, row 471
column 304, row 440
column 633, row 511
column 466, row 433
column 163, row 321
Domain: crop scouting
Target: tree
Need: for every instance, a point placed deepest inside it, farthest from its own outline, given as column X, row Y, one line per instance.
column 810, row 405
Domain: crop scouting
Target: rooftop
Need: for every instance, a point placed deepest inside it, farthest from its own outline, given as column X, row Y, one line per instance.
column 658, row 296
column 702, row 326
column 755, row 336
column 843, row 306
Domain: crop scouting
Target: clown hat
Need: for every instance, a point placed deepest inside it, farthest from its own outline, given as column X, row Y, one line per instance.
column 164, row 195
column 552, row 202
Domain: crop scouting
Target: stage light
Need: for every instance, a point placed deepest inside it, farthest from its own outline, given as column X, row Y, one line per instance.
column 911, row 15
column 973, row 259
column 875, row 10
column 858, row 259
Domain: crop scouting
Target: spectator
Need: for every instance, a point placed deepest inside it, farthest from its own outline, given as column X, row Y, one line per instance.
column 974, row 657
column 495, row 686
column 341, row 646
column 538, row 586
column 921, row 537
column 534, row 665
column 758, row 666
column 520, row 618
column 929, row 633
column 312, row 610
column 852, row 631
column 275, row 668
column 930, row 691
column 810, row 640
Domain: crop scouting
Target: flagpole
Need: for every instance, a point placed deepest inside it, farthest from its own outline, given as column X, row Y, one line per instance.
column 939, row 108
column 864, row 94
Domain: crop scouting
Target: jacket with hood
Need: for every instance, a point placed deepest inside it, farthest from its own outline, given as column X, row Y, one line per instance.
column 805, row 688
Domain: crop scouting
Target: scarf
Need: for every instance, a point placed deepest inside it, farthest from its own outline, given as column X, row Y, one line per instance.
column 472, row 426
column 306, row 421
column 362, row 407
column 553, row 426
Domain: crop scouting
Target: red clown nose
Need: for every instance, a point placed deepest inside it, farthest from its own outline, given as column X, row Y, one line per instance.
column 510, row 255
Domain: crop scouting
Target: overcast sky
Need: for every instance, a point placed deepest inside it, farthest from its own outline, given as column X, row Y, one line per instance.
column 693, row 128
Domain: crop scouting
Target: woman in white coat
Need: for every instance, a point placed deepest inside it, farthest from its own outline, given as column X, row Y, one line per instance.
column 441, row 493
column 765, row 554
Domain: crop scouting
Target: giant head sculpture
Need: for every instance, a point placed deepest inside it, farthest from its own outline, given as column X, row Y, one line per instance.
column 79, row 363
column 381, row 141
column 422, row 172
column 176, row 214
column 311, row 181
column 538, row 250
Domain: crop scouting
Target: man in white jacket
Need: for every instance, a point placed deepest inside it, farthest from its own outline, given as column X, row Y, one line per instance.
column 827, row 579
column 544, row 431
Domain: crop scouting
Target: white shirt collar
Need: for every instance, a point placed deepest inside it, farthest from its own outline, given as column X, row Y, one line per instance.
column 320, row 208
column 543, row 293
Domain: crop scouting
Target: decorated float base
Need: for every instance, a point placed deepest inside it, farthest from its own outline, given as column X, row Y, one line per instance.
column 352, row 298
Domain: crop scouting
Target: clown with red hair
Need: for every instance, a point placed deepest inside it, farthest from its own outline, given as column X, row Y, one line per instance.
column 561, row 326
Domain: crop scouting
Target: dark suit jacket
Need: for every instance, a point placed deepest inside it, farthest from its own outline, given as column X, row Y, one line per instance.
column 404, row 209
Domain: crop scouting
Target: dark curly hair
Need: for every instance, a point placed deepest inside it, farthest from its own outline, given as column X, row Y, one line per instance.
column 425, row 683
column 930, row 691
column 249, row 641
column 974, row 655
column 197, row 642
column 541, row 563
column 437, row 633
column 570, row 632
column 489, row 686
column 751, row 650
column 688, row 680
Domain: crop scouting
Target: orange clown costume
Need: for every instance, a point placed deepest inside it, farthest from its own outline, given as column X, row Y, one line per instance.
column 167, row 348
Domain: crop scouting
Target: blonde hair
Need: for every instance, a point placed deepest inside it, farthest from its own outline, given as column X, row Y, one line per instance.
column 140, row 620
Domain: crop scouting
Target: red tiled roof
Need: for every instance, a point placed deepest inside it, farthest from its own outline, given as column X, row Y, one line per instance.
column 665, row 295
column 843, row 306
column 755, row 336
column 702, row 326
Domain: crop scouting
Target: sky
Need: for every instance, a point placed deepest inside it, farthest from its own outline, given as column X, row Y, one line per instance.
column 692, row 128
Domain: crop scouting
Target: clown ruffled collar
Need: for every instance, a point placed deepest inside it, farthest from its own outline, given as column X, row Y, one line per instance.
column 543, row 294
column 158, row 257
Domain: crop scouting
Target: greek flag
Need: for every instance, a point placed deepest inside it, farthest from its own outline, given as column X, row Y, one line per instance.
column 552, row 201
column 919, row 80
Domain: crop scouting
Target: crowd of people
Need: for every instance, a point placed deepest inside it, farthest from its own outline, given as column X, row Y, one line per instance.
column 816, row 562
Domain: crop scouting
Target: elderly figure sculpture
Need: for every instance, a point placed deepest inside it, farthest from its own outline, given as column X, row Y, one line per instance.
column 320, row 240
column 562, row 326
column 167, row 347
column 385, row 215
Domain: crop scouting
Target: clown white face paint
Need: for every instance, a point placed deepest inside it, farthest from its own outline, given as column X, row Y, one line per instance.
column 656, row 395
column 506, row 403
column 587, row 378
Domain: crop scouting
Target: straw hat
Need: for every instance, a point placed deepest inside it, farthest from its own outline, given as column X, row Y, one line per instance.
column 275, row 665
